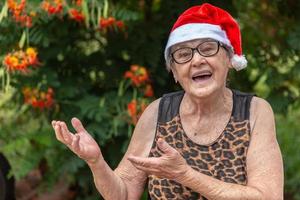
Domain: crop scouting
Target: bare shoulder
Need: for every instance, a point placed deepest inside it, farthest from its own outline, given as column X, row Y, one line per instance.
column 261, row 112
column 144, row 132
column 148, row 120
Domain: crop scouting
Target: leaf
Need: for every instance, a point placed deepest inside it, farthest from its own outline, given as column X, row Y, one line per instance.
column 22, row 40
column 105, row 9
column 86, row 13
column 4, row 12
column 98, row 15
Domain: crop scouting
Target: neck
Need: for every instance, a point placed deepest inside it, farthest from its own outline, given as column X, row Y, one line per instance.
column 219, row 102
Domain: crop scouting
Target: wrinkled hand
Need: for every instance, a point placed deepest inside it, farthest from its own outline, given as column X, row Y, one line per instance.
column 170, row 165
column 81, row 143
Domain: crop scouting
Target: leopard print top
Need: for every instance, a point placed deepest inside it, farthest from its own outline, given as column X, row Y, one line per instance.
column 224, row 159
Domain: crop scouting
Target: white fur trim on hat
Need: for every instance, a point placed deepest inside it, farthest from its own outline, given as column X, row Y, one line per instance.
column 238, row 62
column 193, row 31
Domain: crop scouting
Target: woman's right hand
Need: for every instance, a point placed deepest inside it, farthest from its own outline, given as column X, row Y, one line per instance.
column 81, row 143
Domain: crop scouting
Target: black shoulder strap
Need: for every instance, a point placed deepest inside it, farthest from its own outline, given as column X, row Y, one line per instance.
column 241, row 105
column 169, row 106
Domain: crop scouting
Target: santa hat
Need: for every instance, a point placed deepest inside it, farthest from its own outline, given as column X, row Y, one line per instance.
column 208, row 21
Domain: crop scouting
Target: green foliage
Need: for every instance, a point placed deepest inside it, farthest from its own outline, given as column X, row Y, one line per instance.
column 85, row 66
column 289, row 140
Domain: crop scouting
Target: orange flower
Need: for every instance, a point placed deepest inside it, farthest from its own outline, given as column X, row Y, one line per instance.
column 20, row 60
column 132, row 110
column 138, row 75
column 55, row 7
column 31, row 54
column 38, row 99
column 18, row 12
column 142, row 75
column 135, row 109
column 76, row 15
column 120, row 24
column 105, row 23
column 148, row 91
column 78, row 2
column 134, row 68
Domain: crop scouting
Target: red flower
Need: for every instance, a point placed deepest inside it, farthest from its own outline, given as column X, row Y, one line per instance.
column 55, row 7
column 78, row 2
column 20, row 60
column 120, row 24
column 76, row 15
column 148, row 91
column 138, row 75
column 19, row 13
column 132, row 110
column 105, row 23
column 135, row 109
column 38, row 99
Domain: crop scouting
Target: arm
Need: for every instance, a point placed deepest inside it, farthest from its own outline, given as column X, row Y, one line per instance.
column 133, row 179
column 264, row 164
column 126, row 182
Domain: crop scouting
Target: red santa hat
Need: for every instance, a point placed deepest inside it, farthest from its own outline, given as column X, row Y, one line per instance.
column 208, row 21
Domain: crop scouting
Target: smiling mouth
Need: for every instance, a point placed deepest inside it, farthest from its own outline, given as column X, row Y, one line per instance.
column 202, row 77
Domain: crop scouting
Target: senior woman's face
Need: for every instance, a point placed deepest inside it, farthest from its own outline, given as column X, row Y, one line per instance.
column 203, row 74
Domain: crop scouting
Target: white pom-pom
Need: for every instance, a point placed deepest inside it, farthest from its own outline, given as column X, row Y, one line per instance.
column 238, row 62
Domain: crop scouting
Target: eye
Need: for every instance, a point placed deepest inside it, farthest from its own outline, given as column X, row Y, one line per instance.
column 208, row 48
column 183, row 53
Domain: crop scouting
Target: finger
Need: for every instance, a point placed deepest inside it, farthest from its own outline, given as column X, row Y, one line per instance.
column 76, row 123
column 148, row 170
column 145, row 162
column 58, row 135
column 164, row 146
column 67, row 135
column 75, row 144
column 53, row 123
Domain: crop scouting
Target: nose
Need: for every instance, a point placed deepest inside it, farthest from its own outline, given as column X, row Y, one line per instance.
column 197, row 59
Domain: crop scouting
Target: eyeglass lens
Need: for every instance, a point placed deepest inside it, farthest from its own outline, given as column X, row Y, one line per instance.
column 206, row 49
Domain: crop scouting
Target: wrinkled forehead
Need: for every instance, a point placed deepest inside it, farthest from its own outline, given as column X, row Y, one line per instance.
column 192, row 43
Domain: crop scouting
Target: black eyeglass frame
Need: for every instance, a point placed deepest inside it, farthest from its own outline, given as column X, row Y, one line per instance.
column 196, row 48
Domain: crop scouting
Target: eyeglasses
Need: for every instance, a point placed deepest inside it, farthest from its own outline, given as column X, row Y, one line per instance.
column 206, row 49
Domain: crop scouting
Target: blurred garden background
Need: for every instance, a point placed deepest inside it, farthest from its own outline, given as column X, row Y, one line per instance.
column 102, row 61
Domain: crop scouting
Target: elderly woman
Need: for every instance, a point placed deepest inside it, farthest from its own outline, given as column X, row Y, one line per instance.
column 205, row 142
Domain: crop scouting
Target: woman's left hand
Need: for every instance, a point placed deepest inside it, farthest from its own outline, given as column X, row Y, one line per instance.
column 170, row 165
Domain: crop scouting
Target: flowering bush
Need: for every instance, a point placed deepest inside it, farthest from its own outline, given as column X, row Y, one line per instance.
column 46, row 75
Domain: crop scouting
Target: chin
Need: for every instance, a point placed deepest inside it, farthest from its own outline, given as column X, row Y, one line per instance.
column 204, row 91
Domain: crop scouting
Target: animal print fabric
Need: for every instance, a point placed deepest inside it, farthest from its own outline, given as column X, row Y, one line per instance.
column 224, row 159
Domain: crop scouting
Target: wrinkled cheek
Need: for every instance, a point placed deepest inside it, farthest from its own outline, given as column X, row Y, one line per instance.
column 222, row 79
column 184, row 84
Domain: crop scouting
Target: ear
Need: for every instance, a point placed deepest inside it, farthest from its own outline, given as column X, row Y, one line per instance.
column 227, row 62
column 229, row 65
column 228, row 58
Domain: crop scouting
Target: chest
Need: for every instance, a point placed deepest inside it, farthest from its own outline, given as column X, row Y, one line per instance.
column 224, row 159
column 206, row 130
